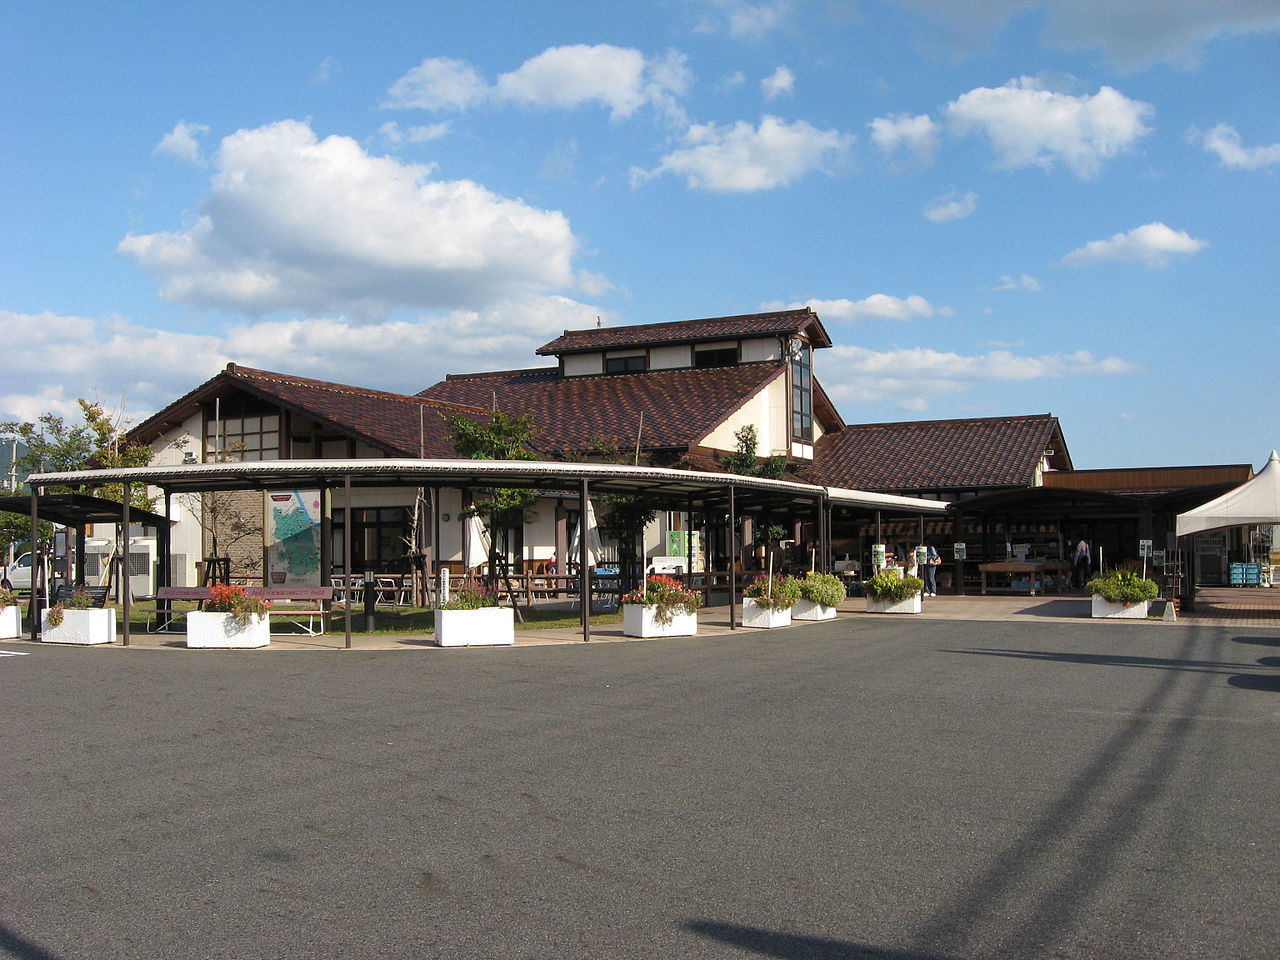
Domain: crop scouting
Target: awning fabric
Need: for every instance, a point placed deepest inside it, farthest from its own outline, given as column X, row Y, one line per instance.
column 1256, row 501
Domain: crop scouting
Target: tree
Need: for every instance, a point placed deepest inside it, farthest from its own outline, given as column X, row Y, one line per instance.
column 503, row 437
column 56, row 446
column 744, row 461
column 624, row 516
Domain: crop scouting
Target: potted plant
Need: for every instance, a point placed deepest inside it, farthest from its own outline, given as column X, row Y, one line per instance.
column 820, row 594
column 471, row 617
column 662, row 607
column 889, row 593
column 231, row 618
column 78, row 619
column 1122, row 594
column 10, row 615
column 768, row 600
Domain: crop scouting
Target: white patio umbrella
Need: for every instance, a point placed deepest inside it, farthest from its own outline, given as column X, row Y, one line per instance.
column 594, row 548
column 477, row 546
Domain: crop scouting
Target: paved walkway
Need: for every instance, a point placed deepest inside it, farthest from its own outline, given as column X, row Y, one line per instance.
column 1242, row 608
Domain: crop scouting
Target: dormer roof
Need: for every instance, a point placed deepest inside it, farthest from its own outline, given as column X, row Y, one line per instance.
column 709, row 330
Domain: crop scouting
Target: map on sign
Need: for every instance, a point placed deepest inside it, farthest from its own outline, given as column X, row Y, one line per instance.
column 292, row 526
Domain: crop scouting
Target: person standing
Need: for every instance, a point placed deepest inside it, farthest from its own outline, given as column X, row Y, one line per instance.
column 1083, row 563
column 931, row 564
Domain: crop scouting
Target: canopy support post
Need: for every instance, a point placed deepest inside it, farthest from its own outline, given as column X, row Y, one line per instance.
column 584, row 572
column 346, row 555
column 733, row 560
column 126, row 585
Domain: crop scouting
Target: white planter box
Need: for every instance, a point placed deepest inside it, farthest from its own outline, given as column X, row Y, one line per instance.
column 80, row 626
column 488, row 626
column 11, row 623
column 909, row 605
column 220, row 630
column 754, row 615
column 1119, row 611
column 808, row 610
column 640, row 620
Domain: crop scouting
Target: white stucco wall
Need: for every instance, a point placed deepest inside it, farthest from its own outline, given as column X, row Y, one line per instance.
column 767, row 411
column 761, row 348
column 666, row 358
column 583, row 364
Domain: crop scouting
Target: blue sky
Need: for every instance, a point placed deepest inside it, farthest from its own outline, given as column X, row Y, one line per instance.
column 997, row 207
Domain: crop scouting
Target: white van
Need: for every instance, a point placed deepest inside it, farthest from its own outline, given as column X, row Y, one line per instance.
column 17, row 576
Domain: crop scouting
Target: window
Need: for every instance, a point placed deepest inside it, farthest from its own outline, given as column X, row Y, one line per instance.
column 715, row 357
column 377, row 539
column 801, row 391
column 244, row 438
column 625, row 364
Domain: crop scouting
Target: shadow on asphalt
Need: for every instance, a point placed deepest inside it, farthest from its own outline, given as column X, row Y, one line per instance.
column 790, row 946
column 15, row 945
column 1116, row 660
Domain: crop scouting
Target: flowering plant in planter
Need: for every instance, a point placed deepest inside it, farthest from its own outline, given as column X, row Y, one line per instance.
column 666, row 595
column 472, row 594
column 79, row 600
column 773, row 592
column 7, row 598
column 890, row 587
column 824, row 589
column 231, row 598
column 1123, row 586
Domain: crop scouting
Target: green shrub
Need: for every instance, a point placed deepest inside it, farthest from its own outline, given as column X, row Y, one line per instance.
column 7, row 598
column 1123, row 586
column 774, row 593
column 822, row 588
column 472, row 594
column 892, row 588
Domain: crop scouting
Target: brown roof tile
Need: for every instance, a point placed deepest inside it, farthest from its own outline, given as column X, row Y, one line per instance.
column 936, row 454
column 689, row 331
column 680, row 407
column 396, row 423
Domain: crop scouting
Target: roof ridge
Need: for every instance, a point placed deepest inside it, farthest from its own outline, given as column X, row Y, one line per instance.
column 955, row 420
column 670, row 323
column 342, row 389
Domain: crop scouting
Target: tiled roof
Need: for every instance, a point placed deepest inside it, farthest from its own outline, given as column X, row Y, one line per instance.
column 935, row 454
column 680, row 407
column 394, row 422
column 689, row 331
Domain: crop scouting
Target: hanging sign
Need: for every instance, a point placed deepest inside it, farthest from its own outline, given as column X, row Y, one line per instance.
column 877, row 555
column 1144, row 548
column 959, row 550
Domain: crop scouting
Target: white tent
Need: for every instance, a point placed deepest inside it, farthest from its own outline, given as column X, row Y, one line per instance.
column 594, row 548
column 1255, row 501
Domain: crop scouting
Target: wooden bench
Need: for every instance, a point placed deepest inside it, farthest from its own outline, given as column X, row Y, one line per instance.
column 64, row 591
column 316, row 601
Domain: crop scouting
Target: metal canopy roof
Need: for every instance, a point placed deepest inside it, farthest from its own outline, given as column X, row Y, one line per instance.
column 74, row 509
column 679, row 485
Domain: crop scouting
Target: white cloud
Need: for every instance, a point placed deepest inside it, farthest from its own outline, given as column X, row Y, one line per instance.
column 397, row 135
column 878, row 306
column 745, row 19
column 1132, row 34
column 293, row 223
column 917, row 136
column 911, row 378
column 741, row 158
column 328, row 69
column 1225, row 141
column 780, row 83
column 731, row 82
column 438, row 83
column 58, row 358
column 952, row 206
column 619, row 78
column 1030, row 126
column 1023, row 282
column 181, row 144
column 1152, row 244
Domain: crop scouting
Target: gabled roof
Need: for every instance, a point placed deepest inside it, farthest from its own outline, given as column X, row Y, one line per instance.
column 939, row 454
column 690, row 331
column 394, row 422
column 680, row 407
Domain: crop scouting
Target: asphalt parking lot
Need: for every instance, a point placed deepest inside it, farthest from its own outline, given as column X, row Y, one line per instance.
column 896, row 790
